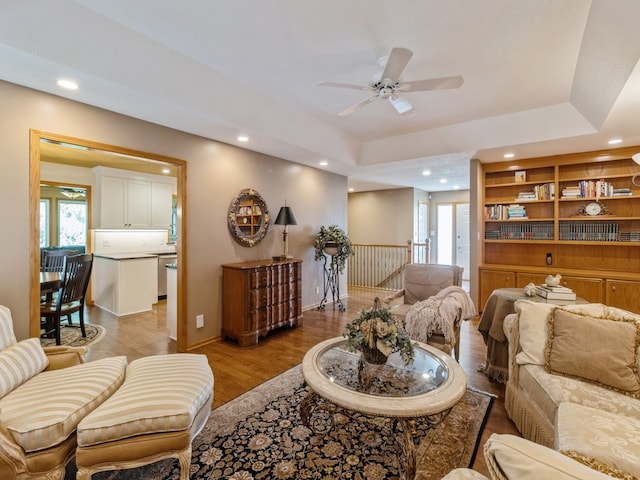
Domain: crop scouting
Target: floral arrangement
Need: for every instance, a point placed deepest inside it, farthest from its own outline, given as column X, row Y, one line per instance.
column 378, row 329
column 336, row 236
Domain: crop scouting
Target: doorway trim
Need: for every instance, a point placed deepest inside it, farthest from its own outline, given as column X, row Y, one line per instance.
column 35, row 137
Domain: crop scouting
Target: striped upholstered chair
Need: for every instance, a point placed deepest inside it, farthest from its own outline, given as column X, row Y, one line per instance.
column 44, row 394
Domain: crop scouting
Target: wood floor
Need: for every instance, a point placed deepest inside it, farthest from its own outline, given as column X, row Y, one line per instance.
column 239, row 369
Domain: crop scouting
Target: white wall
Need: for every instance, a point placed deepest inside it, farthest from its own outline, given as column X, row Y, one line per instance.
column 216, row 172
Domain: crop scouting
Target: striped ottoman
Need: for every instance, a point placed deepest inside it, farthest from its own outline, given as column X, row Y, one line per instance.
column 162, row 405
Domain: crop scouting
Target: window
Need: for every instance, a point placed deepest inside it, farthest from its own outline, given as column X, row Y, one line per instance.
column 44, row 223
column 72, row 223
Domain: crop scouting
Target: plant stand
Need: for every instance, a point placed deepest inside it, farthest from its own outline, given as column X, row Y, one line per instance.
column 331, row 283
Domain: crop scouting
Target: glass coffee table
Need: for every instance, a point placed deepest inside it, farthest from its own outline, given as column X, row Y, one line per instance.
column 401, row 393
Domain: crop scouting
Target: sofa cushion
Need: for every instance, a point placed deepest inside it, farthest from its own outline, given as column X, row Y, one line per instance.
column 599, row 439
column 533, row 327
column 596, row 349
column 7, row 337
column 547, row 391
column 20, row 362
column 518, row 458
column 44, row 411
column 161, row 393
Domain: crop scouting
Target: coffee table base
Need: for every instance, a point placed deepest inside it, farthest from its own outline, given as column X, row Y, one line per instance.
column 317, row 415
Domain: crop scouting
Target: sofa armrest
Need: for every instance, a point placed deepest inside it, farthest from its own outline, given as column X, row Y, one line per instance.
column 398, row 294
column 61, row 356
column 509, row 457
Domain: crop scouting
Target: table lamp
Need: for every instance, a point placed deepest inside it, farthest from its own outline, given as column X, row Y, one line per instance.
column 285, row 217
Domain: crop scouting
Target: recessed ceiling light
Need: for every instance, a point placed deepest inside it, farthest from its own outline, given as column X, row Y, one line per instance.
column 615, row 141
column 509, row 155
column 443, row 180
column 456, row 187
column 68, row 84
column 243, row 138
column 352, row 189
column 426, row 172
column 324, row 163
column 166, row 170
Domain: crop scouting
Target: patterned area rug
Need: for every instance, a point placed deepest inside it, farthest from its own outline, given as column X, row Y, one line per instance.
column 259, row 436
column 71, row 336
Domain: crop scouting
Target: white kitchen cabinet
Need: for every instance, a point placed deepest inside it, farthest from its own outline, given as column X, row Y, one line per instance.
column 123, row 284
column 133, row 201
column 161, row 198
column 125, row 203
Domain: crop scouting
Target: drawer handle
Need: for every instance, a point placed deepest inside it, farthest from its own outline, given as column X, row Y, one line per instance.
column 613, row 287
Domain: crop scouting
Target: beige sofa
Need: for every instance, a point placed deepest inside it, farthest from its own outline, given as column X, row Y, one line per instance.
column 574, row 382
column 513, row 458
column 44, row 394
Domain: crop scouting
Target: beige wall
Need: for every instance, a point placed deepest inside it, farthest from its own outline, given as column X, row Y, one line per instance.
column 382, row 216
column 216, row 172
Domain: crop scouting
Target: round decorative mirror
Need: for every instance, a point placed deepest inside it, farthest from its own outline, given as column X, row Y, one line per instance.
column 248, row 218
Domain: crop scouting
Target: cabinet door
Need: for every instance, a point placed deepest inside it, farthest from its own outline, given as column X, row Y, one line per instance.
column 493, row 279
column 113, row 202
column 623, row 294
column 591, row 289
column 161, row 199
column 138, row 204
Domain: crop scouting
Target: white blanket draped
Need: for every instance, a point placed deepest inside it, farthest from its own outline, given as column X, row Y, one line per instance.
column 438, row 313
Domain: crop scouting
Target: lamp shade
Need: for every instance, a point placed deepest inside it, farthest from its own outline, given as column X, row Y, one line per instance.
column 285, row 217
column 636, row 158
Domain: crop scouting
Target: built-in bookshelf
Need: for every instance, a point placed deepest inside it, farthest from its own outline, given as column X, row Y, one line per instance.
column 536, row 222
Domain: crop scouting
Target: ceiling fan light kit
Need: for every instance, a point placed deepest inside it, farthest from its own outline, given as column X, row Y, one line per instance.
column 388, row 85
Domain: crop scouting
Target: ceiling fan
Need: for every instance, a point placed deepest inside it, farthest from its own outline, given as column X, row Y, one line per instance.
column 388, row 84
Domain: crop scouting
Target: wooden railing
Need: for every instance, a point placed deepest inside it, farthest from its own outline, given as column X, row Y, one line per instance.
column 381, row 266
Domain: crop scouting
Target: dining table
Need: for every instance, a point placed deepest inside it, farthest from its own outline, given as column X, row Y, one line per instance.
column 49, row 282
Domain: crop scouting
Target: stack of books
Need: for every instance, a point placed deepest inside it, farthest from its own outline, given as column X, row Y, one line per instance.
column 556, row 293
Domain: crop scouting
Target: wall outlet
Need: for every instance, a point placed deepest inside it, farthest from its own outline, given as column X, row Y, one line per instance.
column 317, row 290
column 199, row 321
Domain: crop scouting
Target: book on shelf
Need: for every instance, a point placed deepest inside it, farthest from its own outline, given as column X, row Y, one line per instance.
column 549, row 295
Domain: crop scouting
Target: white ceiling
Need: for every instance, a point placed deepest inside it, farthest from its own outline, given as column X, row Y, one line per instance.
column 540, row 77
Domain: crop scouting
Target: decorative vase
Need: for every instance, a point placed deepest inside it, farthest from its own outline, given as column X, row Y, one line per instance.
column 373, row 356
column 331, row 248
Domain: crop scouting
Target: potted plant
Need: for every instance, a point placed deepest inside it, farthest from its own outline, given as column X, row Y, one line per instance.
column 333, row 241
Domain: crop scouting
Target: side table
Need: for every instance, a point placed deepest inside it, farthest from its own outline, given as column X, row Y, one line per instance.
column 498, row 306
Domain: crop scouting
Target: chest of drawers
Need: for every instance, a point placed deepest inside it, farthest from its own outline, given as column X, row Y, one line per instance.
column 259, row 296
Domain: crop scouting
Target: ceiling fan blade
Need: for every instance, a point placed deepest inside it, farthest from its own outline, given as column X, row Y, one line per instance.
column 443, row 83
column 343, row 85
column 402, row 106
column 355, row 107
column 397, row 61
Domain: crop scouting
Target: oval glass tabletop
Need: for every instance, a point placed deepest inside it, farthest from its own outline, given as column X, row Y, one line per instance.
column 393, row 379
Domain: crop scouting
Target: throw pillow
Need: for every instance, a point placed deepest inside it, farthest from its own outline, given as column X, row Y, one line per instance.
column 533, row 327
column 20, row 362
column 597, row 349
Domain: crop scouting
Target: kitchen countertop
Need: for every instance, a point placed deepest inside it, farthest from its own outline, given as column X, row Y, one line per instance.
column 125, row 256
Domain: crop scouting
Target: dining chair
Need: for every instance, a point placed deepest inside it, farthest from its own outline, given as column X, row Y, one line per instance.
column 52, row 260
column 70, row 298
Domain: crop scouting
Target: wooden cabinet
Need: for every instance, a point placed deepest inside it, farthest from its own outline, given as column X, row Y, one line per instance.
column 260, row 296
column 623, row 294
column 491, row 280
column 535, row 224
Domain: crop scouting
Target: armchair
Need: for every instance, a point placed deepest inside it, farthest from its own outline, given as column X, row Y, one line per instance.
column 44, row 393
column 440, row 286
